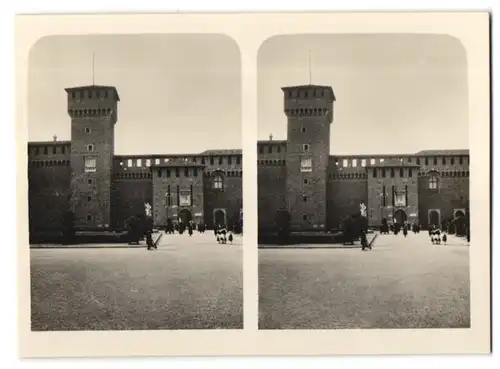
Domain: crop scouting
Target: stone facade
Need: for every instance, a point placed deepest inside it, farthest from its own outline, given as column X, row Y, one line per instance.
column 430, row 186
column 104, row 190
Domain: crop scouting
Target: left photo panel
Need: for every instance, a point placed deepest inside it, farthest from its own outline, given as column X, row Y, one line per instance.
column 135, row 183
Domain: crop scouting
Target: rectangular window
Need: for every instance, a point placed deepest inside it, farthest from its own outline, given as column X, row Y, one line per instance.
column 452, row 161
column 426, row 161
column 89, row 218
column 220, row 160
column 238, row 160
column 460, row 160
column 81, row 94
column 87, row 130
column 374, row 172
column 270, row 149
column 418, row 161
column 203, row 160
column 211, row 160
column 139, row 162
column 90, row 94
column 344, row 163
column 194, row 160
column 372, row 161
column 63, row 149
column 306, row 181
column 278, row 148
column 89, row 181
column 185, row 198
column 186, row 172
column 383, row 196
column 129, row 163
column 89, row 198
column 444, row 161
column 305, row 147
column 410, row 172
column 261, row 149
column 195, row 172
column 45, row 150
column 148, row 162
column 435, row 160
column 98, row 93
column 306, row 164
column 157, row 161
column 401, row 172
column 159, row 173
column 168, row 173
column 363, row 163
column 304, row 216
column 304, row 198
column 90, row 148
column 90, row 165
column 400, row 199
column 392, row 172
column 409, row 160
column 303, row 130
column 383, row 172
column 354, row 163
column 229, row 160
column 177, row 172
column 54, row 150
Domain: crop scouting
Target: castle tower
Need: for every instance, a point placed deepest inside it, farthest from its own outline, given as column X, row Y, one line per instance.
column 93, row 112
column 309, row 110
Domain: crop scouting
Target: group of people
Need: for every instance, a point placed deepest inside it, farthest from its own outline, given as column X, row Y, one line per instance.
column 404, row 227
column 435, row 235
column 222, row 234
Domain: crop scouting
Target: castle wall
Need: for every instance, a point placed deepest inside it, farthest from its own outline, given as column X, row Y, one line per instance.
column 345, row 190
column 271, row 193
column 49, row 174
column 452, row 194
column 176, row 184
column 49, row 186
column 229, row 199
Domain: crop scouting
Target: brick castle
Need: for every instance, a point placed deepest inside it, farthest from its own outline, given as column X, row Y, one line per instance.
column 320, row 190
column 104, row 190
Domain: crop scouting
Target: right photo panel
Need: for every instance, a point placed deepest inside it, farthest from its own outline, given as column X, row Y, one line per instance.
column 363, row 182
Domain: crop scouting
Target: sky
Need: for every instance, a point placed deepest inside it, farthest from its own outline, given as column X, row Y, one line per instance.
column 178, row 92
column 395, row 93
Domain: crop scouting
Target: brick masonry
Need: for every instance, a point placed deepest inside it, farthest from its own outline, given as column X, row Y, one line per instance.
column 336, row 184
column 121, row 184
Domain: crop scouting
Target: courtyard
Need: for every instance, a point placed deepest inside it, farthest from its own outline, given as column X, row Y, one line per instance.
column 401, row 283
column 188, row 283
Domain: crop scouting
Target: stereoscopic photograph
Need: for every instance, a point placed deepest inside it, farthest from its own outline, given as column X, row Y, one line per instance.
column 135, row 182
column 363, row 182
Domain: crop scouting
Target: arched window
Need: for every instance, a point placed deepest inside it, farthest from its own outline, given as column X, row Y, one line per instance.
column 433, row 182
column 217, row 182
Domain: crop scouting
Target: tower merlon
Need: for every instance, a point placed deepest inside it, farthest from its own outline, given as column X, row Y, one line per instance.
column 309, row 101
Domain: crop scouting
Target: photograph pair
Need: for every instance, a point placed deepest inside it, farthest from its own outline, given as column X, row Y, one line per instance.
column 138, row 175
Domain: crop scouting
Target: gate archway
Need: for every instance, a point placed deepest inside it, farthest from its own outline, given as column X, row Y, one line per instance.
column 400, row 216
column 220, row 217
column 434, row 218
column 185, row 216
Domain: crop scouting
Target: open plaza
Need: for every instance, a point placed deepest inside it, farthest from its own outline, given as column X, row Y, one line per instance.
column 403, row 282
column 187, row 283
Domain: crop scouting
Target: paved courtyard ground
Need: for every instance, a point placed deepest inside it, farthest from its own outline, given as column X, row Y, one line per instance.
column 188, row 283
column 401, row 283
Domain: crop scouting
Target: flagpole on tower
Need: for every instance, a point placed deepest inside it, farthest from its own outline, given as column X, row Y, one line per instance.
column 93, row 69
